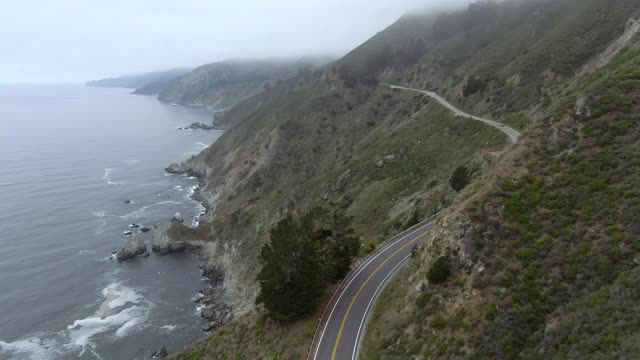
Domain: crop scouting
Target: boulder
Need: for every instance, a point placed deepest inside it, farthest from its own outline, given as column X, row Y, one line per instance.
column 145, row 229
column 379, row 163
column 127, row 202
column 135, row 248
column 177, row 218
column 389, row 157
column 584, row 105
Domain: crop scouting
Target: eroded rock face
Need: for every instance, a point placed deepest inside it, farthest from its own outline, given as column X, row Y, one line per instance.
column 342, row 181
column 584, row 106
column 135, row 248
column 163, row 245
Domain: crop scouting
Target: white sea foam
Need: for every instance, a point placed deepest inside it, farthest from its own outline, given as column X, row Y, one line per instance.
column 101, row 227
column 203, row 145
column 33, row 348
column 86, row 252
column 168, row 202
column 136, row 214
column 168, row 327
column 107, row 173
column 107, row 176
column 199, row 308
column 142, row 212
column 131, row 161
column 99, row 213
column 122, row 311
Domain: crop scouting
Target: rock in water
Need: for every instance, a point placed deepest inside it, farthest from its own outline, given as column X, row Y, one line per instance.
column 177, row 218
column 175, row 169
column 135, row 248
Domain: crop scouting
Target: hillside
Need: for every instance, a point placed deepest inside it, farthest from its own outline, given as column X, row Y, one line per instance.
column 139, row 80
column 542, row 234
column 545, row 258
column 224, row 84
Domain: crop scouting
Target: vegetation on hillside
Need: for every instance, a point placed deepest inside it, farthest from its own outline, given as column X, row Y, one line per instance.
column 224, row 84
column 544, row 244
column 302, row 258
column 558, row 246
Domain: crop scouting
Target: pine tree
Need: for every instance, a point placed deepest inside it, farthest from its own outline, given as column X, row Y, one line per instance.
column 460, row 178
column 302, row 258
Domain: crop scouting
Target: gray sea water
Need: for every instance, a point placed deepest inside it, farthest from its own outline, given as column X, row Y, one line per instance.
column 70, row 156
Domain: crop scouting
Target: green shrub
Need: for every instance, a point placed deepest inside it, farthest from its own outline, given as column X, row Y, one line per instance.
column 440, row 271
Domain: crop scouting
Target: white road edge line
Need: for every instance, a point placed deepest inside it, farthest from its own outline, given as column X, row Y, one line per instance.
column 315, row 355
column 373, row 298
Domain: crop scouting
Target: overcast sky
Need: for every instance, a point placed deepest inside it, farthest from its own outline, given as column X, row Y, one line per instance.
column 76, row 40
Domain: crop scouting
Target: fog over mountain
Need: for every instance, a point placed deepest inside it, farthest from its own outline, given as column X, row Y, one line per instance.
column 75, row 40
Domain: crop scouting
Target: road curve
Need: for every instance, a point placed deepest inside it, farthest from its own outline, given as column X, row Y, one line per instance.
column 511, row 132
column 341, row 331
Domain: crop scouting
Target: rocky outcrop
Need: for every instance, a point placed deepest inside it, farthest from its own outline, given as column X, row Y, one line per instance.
column 135, row 248
column 176, row 168
column 214, row 308
column 630, row 37
column 584, row 106
column 177, row 218
column 163, row 244
column 342, row 181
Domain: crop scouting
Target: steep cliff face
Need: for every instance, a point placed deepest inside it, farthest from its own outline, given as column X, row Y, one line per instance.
column 225, row 84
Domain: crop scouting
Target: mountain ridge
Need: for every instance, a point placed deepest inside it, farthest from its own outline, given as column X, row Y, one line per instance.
column 343, row 141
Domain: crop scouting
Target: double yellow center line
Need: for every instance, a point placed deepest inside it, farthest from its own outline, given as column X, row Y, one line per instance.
column 344, row 319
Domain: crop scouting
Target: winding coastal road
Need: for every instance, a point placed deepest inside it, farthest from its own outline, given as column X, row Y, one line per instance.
column 342, row 325
column 511, row 132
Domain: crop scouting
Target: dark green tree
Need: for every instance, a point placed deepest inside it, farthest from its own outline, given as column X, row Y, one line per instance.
column 303, row 257
column 290, row 283
column 460, row 178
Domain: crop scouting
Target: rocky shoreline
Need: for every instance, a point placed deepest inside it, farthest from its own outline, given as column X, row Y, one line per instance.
column 210, row 300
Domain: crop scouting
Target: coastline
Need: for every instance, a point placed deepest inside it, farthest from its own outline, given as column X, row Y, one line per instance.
column 209, row 301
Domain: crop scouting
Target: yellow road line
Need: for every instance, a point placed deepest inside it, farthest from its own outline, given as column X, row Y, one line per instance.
column 344, row 319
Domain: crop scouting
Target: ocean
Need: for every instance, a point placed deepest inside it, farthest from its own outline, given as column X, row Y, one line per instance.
column 78, row 167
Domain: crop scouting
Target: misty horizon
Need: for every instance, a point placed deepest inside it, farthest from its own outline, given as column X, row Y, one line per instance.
column 71, row 41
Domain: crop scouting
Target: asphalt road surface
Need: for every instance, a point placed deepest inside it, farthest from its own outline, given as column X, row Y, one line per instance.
column 342, row 329
column 512, row 133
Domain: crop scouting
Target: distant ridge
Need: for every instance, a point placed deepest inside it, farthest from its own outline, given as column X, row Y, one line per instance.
column 139, row 80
